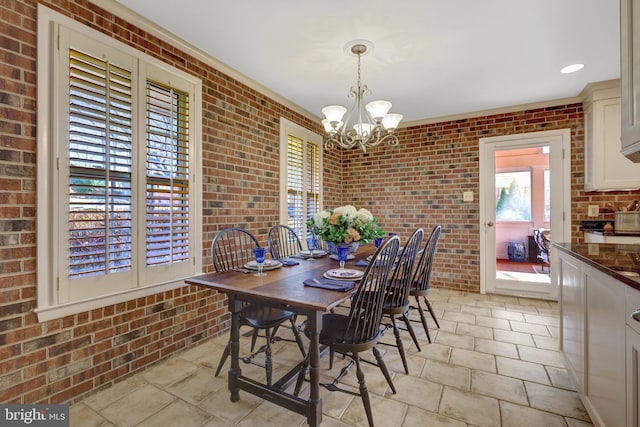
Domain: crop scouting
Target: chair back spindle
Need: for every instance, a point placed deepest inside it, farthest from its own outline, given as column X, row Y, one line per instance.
column 366, row 305
column 398, row 293
column 232, row 248
column 283, row 242
column 422, row 273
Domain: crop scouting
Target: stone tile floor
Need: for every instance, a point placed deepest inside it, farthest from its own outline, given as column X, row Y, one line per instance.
column 493, row 362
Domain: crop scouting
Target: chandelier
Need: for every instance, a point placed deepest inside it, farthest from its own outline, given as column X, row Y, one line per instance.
column 364, row 126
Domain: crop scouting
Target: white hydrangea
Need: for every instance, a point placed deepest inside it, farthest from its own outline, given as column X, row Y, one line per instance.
column 320, row 216
column 347, row 210
column 364, row 216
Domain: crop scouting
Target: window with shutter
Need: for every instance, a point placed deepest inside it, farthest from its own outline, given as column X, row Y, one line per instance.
column 295, row 184
column 116, row 170
column 167, row 170
column 100, row 165
column 301, row 158
column 312, row 181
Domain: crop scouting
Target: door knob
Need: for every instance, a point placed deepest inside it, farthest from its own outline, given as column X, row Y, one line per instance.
column 490, row 224
column 636, row 315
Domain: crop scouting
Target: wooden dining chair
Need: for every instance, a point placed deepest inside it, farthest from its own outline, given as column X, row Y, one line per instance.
column 231, row 249
column 541, row 237
column 396, row 302
column 359, row 330
column 420, row 283
column 283, row 242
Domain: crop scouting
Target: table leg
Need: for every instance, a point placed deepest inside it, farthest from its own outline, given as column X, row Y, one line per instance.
column 315, row 403
column 234, row 372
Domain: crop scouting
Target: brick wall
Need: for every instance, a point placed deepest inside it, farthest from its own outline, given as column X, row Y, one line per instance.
column 60, row 360
column 418, row 184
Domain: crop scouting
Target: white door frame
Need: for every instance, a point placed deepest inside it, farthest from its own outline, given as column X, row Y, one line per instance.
column 560, row 170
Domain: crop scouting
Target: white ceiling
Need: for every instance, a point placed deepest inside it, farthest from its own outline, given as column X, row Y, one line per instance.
column 431, row 58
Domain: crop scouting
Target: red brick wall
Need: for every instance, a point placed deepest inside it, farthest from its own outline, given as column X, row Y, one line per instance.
column 63, row 359
column 420, row 183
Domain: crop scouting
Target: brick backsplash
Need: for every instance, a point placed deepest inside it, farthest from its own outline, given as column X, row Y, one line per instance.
column 420, row 183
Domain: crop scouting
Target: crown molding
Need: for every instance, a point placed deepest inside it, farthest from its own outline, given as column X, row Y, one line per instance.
column 494, row 111
column 600, row 90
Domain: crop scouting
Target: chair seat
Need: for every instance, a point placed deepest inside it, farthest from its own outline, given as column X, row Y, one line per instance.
column 392, row 307
column 417, row 292
column 334, row 331
column 264, row 317
column 389, row 308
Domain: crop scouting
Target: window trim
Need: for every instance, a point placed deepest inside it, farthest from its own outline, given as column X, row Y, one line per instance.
column 48, row 114
column 287, row 127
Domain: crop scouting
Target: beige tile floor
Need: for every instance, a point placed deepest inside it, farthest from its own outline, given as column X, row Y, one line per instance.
column 494, row 362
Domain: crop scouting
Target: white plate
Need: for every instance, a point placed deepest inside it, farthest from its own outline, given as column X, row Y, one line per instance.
column 350, row 256
column 268, row 264
column 316, row 253
column 343, row 274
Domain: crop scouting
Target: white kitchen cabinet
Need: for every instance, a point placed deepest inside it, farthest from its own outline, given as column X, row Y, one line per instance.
column 605, row 347
column 573, row 308
column 630, row 77
column 594, row 338
column 633, row 358
column 633, row 378
column 605, row 167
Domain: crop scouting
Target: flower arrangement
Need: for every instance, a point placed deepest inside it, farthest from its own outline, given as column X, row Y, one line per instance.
column 345, row 224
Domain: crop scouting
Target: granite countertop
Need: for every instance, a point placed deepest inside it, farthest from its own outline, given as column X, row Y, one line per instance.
column 602, row 233
column 620, row 261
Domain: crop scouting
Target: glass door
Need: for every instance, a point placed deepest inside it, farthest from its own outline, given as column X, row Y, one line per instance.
column 520, row 199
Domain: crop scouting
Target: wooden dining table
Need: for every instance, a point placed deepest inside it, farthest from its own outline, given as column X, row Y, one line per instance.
column 282, row 288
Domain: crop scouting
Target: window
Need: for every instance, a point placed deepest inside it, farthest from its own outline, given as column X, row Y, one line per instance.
column 301, row 157
column 123, row 197
column 513, row 196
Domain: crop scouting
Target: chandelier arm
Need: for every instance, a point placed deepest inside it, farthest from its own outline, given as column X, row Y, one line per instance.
column 391, row 139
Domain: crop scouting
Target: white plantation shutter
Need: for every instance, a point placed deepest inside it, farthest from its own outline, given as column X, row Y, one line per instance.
column 100, row 166
column 167, row 171
column 295, row 184
column 312, row 182
column 124, row 181
column 303, row 180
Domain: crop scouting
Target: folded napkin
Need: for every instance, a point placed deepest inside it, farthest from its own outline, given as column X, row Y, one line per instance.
column 287, row 262
column 333, row 285
column 362, row 263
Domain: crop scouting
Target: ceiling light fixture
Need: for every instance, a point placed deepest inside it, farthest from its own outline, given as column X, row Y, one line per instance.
column 572, row 68
column 372, row 124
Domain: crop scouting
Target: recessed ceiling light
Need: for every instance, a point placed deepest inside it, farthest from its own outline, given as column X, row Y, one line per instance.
column 572, row 68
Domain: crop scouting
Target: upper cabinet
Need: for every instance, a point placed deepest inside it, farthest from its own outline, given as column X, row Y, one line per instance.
column 630, row 77
column 605, row 168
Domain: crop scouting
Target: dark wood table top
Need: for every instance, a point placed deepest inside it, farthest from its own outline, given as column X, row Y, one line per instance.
column 284, row 285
